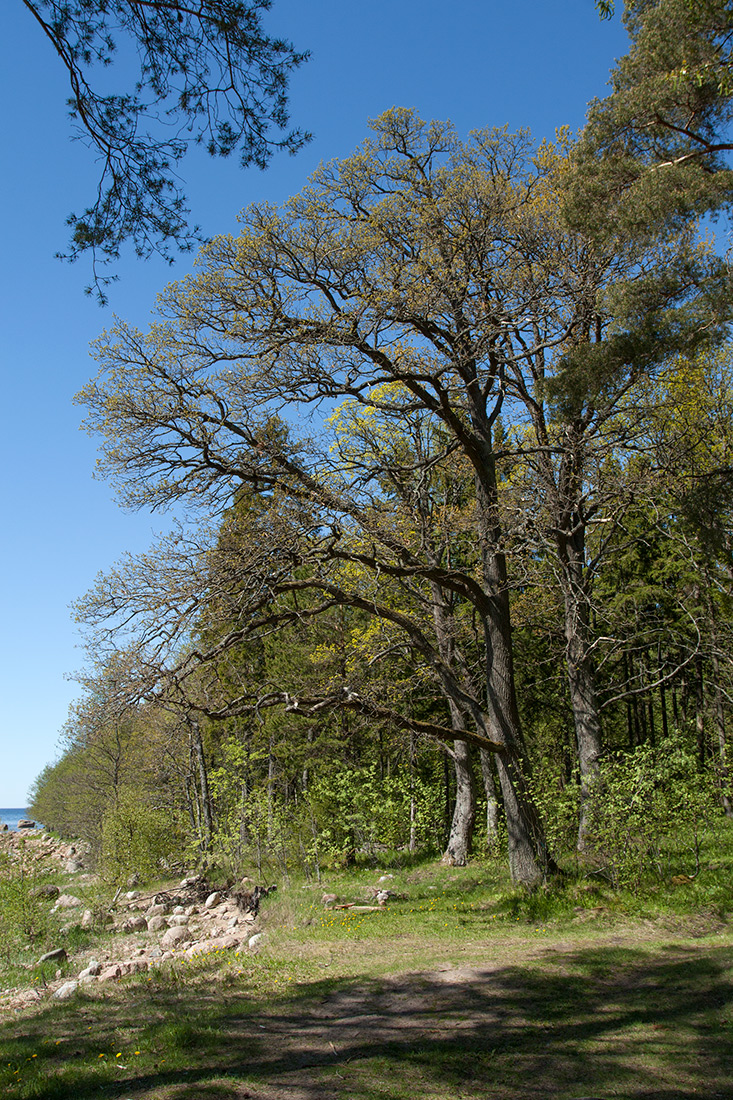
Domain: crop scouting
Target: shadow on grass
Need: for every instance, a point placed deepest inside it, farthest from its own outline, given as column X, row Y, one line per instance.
column 596, row 1022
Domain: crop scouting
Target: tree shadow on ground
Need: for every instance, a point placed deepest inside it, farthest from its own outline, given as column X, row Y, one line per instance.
column 598, row 1022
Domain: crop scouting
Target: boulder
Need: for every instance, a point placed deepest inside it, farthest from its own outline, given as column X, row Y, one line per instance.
column 65, row 992
column 135, row 924
column 217, row 943
column 92, row 971
column 46, row 891
column 156, row 923
column 110, row 973
column 212, row 900
column 26, row 823
column 177, row 921
column 156, row 910
column 174, row 936
column 57, row 955
column 67, row 901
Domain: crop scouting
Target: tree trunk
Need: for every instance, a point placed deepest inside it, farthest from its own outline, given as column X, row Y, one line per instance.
column 699, row 710
column 529, row 859
column 580, row 670
column 492, row 799
column 460, row 839
column 207, row 816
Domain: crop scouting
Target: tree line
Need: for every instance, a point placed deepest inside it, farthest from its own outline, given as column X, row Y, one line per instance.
column 450, row 431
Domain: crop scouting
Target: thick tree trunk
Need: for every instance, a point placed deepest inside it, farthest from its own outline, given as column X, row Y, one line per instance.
column 529, row 859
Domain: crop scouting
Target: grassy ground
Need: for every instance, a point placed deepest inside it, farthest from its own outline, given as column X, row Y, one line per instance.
column 458, row 989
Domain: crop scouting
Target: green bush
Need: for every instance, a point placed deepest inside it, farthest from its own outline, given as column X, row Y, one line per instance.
column 25, row 917
column 137, row 838
column 651, row 811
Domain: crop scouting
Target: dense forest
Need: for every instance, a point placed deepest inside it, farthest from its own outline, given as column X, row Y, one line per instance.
column 448, row 437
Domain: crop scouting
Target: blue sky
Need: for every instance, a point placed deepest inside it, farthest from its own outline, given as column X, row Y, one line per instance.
column 533, row 64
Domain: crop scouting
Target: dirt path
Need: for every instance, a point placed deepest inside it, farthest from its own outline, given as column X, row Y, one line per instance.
column 617, row 1017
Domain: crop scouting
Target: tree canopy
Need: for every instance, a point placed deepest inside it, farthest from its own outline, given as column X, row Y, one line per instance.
column 207, row 74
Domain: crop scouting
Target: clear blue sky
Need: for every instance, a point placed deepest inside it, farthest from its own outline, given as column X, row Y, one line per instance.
column 533, row 63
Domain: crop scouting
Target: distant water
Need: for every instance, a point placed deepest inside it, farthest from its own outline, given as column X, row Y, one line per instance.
column 11, row 817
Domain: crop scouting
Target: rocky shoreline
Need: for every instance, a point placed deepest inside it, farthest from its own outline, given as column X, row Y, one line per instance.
column 138, row 931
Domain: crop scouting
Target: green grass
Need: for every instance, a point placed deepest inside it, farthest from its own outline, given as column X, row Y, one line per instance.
column 460, row 987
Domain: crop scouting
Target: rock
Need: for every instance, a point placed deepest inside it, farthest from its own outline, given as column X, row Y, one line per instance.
column 134, row 966
column 256, row 940
column 180, row 911
column 87, row 919
column 156, row 953
column 72, row 866
column 157, row 910
column 110, row 973
column 217, row 943
column 177, row 921
column 92, row 971
column 175, row 936
column 212, row 900
column 135, row 924
column 67, row 990
column 156, row 923
column 26, row 823
column 57, row 955
column 46, row 891
column 67, row 901
column 132, row 894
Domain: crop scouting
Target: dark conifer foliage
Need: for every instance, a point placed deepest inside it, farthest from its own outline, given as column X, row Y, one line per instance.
column 207, row 74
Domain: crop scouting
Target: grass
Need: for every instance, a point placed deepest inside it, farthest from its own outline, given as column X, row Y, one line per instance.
column 460, row 987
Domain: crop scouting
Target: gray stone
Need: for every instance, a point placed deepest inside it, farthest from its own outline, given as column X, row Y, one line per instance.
column 156, row 923
column 157, row 910
column 175, row 936
column 67, row 990
column 135, row 924
column 110, row 973
column 256, row 940
column 177, row 921
column 73, row 865
column 67, row 901
column 212, row 900
column 46, row 891
column 57, row 955
column 87, row 919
